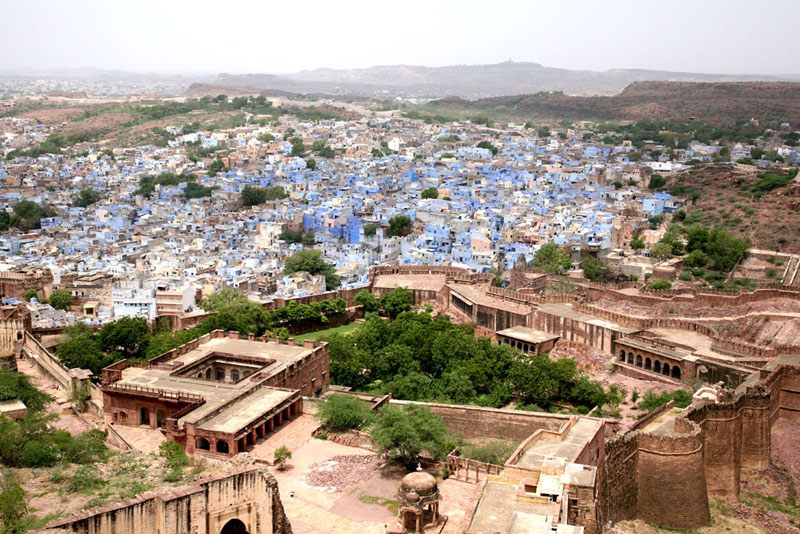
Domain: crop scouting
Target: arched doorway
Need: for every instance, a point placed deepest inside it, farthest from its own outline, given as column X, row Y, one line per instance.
column 161, row 418
column 676, row 372
column 203, row 444
column 234, row 526
column 144, row 416
column 622, row 356
column 222, row 447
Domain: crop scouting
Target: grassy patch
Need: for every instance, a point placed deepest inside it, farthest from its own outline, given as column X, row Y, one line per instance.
column 389, row 504
column 765, row 502
column 319, row 334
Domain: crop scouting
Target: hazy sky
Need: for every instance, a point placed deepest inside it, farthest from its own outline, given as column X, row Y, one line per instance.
column 714, row 36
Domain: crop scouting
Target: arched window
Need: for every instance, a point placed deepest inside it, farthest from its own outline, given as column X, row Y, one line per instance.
column 203, row 444
column 220, row 375
column 234, row 375
column 657, row 366
column 622, row 356
column 208, row 373
column 676, row 372
column 648, row 364
column 665, row 369
column 630, row 358
column 638, row 360
column 222, row 447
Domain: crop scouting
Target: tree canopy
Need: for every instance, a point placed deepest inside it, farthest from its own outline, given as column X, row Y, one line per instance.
column 551, row 258
column 594, row 269
column 400, row 225
column 311, row 262
column 396, row 301
column 61, row 299
column 404, row 433
column 430, row 192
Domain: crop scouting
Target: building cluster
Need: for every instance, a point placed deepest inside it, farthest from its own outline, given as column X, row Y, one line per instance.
column 141, row 252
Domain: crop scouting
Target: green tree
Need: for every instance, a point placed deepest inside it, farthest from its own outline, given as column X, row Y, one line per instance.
column 400, row 225
column 252, row 196
column 17, row 386
column 61, row 299
column 404, row 433
column 370, row 230
column 298, row 147
column 13, row 507
column 87, row 197
column 30, row 294
column 660, row 284
column 5, row 220
column 637, row 243
column 280, row 456
column 552, row 259
column 594, row 269
column 656, row 182
column 83, row 352
column 275, row 192
column 223, row 299
column 696, row 258
column 266, row 137
column 340, row 412
column 488, row 146
column 430, row 192
column 216, row 167
column 661, row 250
column 396, row 301
column 311, row 164
column 311, row 261
column 128, row 335
column 367, row 300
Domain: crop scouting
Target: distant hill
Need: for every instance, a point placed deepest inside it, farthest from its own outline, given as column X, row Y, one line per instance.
column 466, row 81
column 714, row 103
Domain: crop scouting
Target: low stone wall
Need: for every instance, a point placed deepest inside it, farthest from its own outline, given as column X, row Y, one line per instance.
column 479, row 422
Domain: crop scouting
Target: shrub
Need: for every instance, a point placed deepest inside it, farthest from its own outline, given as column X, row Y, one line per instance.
column 367, row 300
column 340, row 412
column 406, row 432
column 494, row 452
column 651, row 401
column 685, row 276
column 660, row 284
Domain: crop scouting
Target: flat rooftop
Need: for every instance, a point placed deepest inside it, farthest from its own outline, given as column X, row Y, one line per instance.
column 477, row 295
column 418, row 282
column 566, row 310
column 529, row 335
column 581, row 432
column 219, row 394
column 499, row 504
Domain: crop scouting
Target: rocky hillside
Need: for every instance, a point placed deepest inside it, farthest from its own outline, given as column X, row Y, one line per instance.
column 714, row 103
column 465, row 81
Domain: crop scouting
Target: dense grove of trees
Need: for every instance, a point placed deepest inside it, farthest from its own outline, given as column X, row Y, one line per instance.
column 52, row 145
column 417, row 357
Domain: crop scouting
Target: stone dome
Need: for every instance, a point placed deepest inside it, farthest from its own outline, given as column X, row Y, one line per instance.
column 418, row 482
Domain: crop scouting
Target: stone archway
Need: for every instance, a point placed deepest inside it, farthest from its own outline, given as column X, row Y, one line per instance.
column 203, row 444
column 234, row 526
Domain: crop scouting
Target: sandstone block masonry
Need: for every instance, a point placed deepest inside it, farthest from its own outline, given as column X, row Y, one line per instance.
column 243, row 500
column 665, row 476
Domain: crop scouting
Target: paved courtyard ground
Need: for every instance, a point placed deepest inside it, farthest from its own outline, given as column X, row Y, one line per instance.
column 335, row 489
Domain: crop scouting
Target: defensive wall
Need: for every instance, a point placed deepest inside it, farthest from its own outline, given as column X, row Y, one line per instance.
column 246, row 495
column 665, row 476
